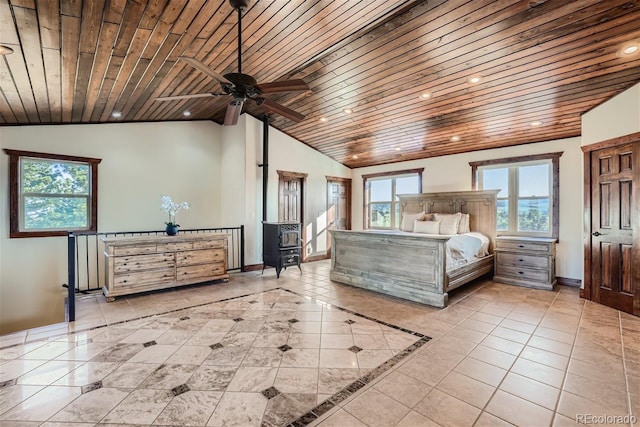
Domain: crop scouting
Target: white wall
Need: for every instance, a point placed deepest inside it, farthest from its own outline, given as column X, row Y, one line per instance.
column 453, row 173
column 616, row 117
column 140, row 161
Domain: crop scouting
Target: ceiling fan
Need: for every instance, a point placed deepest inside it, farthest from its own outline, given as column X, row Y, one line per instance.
column 243, row 87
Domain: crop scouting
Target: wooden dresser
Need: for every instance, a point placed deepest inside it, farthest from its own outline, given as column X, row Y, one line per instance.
column 525, row 261
column 145, row 263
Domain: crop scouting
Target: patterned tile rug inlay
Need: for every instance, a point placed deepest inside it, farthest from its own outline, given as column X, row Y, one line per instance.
column 274, row 358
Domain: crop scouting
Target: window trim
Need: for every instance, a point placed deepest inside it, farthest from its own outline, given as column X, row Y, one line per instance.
column 555, row 174
column 365, row 211
column 14, row 192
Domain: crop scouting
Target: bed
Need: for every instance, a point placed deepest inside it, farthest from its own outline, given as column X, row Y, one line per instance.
column 413, row 265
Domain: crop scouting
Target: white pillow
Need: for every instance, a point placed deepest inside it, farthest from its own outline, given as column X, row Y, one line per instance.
column 463, row 227
column 408, row 219
column 448, row 222
column 427, row 227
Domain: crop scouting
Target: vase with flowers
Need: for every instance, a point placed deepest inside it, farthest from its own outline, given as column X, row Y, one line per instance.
column 172, row 209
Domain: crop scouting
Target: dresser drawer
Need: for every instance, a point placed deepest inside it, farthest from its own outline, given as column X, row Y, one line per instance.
column 523, row 246
column 204, row 244
column 134, row 250
column 172, row 247
column 522, row 260
column 199, row 257
column 201, row 271
column 142, row 262
column 292, row 251
column 522, row 273
column 143, row 278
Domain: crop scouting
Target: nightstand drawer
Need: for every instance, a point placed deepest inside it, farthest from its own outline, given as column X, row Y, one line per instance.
column 522, row 260
column 522, row 273
column 523, row 246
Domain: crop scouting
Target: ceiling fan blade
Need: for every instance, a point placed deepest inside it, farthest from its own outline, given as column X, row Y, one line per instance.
column 195, row 95
column 274, row 107
column 204, row 69
column 233, row 112
column 283, row 86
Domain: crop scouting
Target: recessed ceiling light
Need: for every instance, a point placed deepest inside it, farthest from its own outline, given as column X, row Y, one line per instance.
column 398, row 148
column 454, row 138
column 631, row 49
column 5, row 50
column 474, row 79
column 348, row 111
column 116, row 114
column 354, row 157
column 323, row 119
column 535, row 123
column 426, row 95
column 186, row 113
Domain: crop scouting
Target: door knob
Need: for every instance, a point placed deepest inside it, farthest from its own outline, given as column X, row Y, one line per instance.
column 597, row 233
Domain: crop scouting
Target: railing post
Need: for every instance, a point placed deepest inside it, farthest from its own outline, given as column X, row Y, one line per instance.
column 71, row 280
column 242, row 248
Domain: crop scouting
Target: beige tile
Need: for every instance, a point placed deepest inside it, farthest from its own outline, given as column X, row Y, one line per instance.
column 403, row 388
column 337, row 341
column 536, row 371
column 488, row 420
column 429, row 372
column 493, row 357
column 545, row 357
column 555, row 335
column 510, row 334
column 42, row 405
column 341, row 419
column 550, row 345
column 571, row 405
column 516, row 325
column 467, row 334
column 414, row 419
column 606, row 393
column 502, row 344
column 481, row 371
column 92, row 406
column 531, row 390
column 296, row 380
column 466, row 389
column 446, row 410
column 518, row 411
column 375, row 408
column 239, row 409
column 250, row 379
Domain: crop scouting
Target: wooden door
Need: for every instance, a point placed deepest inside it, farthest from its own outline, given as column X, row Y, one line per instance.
column 614, row 216
column 338, row 206
column 291, row 194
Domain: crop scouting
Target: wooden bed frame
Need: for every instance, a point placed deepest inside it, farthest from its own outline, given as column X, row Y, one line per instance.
column 410, row 265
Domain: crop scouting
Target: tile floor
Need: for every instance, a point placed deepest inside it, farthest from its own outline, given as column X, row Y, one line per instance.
column 500, row 355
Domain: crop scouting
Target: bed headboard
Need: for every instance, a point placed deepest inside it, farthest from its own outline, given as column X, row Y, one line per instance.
column 480, row 205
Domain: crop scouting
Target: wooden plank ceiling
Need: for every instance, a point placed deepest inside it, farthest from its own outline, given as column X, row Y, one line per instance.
column 548, row 61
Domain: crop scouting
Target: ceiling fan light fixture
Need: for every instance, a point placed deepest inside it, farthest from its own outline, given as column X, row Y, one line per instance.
column 474, row 79
column 398, row 148
column 5, row 50
column 186, row 113
column 347, row 111
column 455, row 138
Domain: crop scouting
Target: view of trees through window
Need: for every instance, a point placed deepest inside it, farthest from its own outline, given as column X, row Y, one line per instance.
column 383, row 208
column 55, row 194
column 524, row 200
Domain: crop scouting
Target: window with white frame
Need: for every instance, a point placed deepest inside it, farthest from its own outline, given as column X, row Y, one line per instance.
column 51, row 194
column 381, row 206
column 528, row 201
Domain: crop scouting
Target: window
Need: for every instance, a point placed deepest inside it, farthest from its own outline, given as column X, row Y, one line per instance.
column 50, row 194
column 528, row 201
column 382, row 209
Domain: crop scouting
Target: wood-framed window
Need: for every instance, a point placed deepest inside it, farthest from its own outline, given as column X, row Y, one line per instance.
column 381, row 206
column 529, row 200
column 51, row 194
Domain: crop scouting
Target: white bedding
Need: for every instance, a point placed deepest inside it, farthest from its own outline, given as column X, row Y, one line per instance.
column 462, row 248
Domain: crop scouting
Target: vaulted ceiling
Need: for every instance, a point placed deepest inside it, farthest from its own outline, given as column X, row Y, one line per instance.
column 541, row 65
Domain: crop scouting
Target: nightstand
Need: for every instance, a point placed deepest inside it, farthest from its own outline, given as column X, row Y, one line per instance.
column 526, row 261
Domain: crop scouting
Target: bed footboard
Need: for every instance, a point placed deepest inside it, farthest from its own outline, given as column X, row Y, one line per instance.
column 404, row 266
